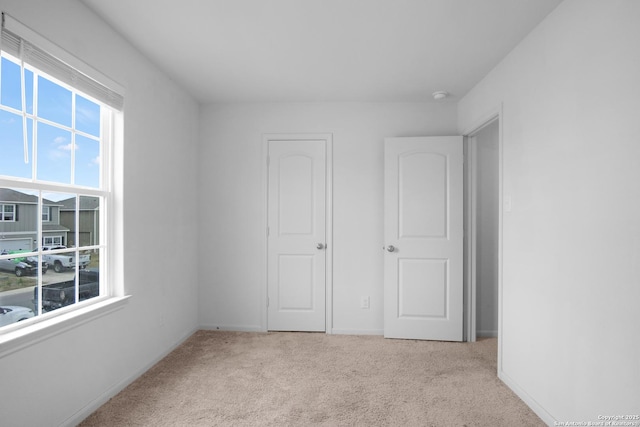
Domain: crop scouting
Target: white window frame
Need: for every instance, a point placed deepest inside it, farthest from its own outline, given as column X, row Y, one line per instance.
column 46, row 212
column 55, row 241
column 33, row 184
column 112, row 295
column 3, row 213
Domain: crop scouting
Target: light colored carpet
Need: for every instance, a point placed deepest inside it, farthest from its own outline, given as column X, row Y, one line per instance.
column 297, row 379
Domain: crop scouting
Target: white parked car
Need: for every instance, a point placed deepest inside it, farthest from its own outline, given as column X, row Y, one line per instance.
column 14, row 313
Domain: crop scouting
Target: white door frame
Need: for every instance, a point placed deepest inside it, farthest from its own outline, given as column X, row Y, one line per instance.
column 328, row 138
column 470, row 243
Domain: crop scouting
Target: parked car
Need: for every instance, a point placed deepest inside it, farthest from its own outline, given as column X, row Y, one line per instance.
column 61, row 294
column 21, row 265
column 63, row 261
column 13, row 313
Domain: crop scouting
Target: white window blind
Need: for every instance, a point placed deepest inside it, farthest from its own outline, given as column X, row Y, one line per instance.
column 91, row 83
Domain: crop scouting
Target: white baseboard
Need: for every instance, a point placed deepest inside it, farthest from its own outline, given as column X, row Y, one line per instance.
column 486, row 334
column 526, row 398
column 89, row 409
column 234, row 328
column 357, row 331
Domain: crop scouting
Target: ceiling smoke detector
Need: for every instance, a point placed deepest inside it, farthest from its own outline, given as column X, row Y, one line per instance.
column 439, row 95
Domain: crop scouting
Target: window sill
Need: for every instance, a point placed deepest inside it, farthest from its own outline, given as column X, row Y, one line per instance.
column 19, row 339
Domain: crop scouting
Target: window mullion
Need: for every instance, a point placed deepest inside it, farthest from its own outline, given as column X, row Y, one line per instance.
column 73, row 138
column 34, row 133
column 106, row 150
column 23, row 95
column 76, row 239
column 13, row 110
column 0, row 60
column 107, row 133
column 39, row 248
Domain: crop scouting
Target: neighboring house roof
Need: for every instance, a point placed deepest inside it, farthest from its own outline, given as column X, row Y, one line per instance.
column 54, row 227
column 87, row 203
column 8, row 195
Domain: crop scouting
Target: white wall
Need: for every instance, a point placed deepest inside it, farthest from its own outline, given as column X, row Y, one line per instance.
column 232, row 242
column 571, row 99
column 59, row 380
column 487, row 231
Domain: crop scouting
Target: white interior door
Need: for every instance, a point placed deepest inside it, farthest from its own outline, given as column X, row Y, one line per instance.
column 423, row 230
column 296, row 239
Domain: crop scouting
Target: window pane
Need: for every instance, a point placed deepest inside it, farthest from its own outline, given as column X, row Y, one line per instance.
column 87, row 116
column 67, row 215
column 19, row 229
column 54, row 102
column 11, row 94
column 18, row 278
column 54, row 154
column 87, row 162
column 18, row 264
column 12, row 145
column 89, row 223
column 55, row 232
column 59, row 289
column 89, row 277
column 59, row 262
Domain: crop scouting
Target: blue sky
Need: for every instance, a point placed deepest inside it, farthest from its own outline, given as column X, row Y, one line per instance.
column 54, row 144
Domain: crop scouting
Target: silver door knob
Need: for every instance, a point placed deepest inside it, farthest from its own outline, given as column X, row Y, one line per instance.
column 391, row 248
column 320, row 246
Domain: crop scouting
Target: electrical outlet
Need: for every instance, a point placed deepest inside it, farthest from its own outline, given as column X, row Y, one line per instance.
column 364, row 302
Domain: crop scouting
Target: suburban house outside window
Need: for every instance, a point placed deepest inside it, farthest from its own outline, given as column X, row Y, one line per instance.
column 56, row 179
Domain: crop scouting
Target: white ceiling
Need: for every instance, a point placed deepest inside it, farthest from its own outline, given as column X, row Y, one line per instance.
column 324, row 50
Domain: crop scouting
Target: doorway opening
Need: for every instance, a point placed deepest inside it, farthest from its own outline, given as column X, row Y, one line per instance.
column 483, row 219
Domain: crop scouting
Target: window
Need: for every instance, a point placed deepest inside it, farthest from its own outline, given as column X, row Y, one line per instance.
column 56, row 138
column 46, row 212
column 51, row 241
column 7, row 212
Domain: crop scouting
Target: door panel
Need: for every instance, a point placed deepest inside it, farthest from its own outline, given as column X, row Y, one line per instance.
column 422, row 195
column 422, row 285
column 295, row 282
column 296, row 205
column 424, row 238
column 297, row 223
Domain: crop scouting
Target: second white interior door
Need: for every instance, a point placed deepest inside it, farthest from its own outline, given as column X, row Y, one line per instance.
column 423, row 230
column 296, row 235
